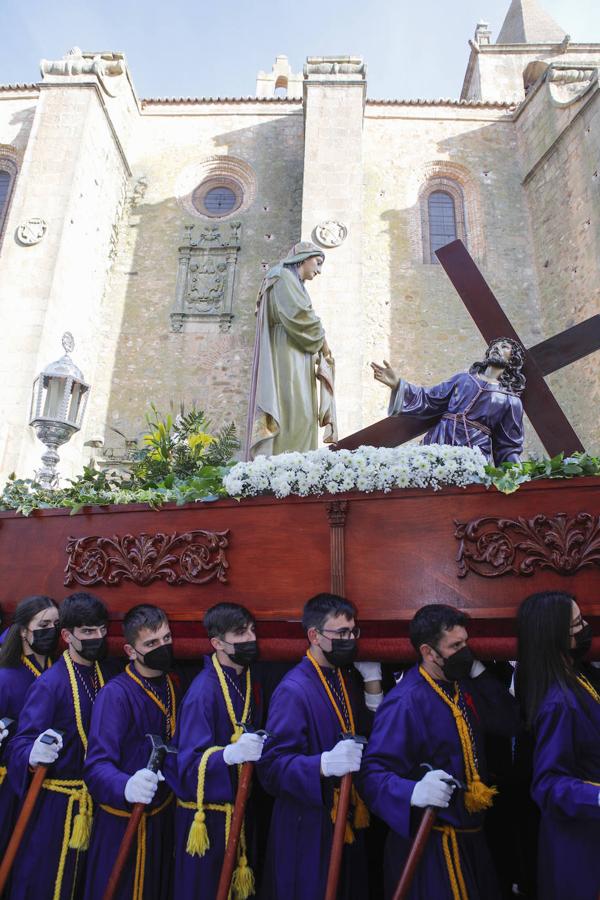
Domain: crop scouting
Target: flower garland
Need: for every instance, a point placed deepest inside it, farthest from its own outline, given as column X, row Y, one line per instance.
column 366, row 469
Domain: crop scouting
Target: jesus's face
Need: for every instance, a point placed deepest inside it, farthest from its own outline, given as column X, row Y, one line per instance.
column 500, row 353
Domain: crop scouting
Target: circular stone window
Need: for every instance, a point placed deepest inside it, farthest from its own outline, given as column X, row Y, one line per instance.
column 216, row 187
column 218, row 197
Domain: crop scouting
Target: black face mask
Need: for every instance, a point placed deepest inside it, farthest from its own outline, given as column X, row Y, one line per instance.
column 161, row 658
column 45, row 640
column 458, row 665
column 343, row 652
column 93, row 649
column 583, row 643
column 245, row 652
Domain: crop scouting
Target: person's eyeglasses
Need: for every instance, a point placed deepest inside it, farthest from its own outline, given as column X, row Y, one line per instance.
column 342, row 634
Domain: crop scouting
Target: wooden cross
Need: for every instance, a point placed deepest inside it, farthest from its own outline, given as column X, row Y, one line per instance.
column 540, row 404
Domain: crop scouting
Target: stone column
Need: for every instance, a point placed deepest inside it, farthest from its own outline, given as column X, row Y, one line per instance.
column 334, row 98
column 73, row 177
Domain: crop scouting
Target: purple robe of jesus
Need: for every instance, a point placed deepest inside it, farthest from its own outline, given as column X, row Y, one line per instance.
column 304, row 724
column 466, row 411
column 566, row 783
column 203, row 722
column 413, row 726
column 37, row 871
column 118, row 746
column 14, row 684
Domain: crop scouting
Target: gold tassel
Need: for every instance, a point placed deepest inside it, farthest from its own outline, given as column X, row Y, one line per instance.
column 479, row 796
column 242, row 883
column 198, row 842
column 361, row 818
column 82, row 824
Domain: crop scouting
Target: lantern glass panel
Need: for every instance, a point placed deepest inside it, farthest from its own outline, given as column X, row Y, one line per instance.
column 53, row 402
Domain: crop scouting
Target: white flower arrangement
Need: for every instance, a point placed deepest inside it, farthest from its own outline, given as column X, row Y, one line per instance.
column 366, row 469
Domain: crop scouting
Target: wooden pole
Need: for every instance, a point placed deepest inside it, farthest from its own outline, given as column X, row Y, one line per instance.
column 235, row 829
column 21, row 824
column 339, row 831
column 416, row 852
column 123, row 854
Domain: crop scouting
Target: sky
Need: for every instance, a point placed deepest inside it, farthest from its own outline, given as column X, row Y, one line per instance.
column 211, row 49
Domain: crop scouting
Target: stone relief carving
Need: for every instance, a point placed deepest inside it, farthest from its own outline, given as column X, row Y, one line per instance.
column 205, row 278
column 195, row 557
column 492, row 546
column 104, row 66
column 31, row 231
column 331, row 233
column 335, row 65
column 567, row 84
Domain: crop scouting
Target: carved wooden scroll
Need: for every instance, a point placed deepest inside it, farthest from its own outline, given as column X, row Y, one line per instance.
column 195, row 557
column 337, row 511
column 494, row 546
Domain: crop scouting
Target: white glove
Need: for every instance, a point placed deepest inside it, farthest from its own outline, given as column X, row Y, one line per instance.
column 248, row 748
column 3, row 734
column 142, row 786
column 432, row 790
column 45, row 754
column 343, row 758
column 476, row 669
column 370, row 671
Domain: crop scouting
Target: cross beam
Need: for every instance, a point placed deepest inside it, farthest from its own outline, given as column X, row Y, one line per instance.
column 542, row 408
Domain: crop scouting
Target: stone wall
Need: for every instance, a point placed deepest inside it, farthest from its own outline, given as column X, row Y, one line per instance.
column 559, row 133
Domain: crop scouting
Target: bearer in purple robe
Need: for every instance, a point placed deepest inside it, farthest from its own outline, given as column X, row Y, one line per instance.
column 211, row 747
column 140, row 701
column 428, row 731
column 51, row 859
column 562, row 710
column 24, row 655
column 305, row 758
column 479, row 408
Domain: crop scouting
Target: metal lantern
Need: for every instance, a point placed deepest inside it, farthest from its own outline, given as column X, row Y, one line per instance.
column 58, row 403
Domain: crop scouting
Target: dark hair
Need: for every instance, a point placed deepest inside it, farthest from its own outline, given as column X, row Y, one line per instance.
column 318, row 609
column 544, row 625
column 82, row 608
column 12, row 647
column 429, row 623
column 512, row 378
column 144, row 615
column 226, row 617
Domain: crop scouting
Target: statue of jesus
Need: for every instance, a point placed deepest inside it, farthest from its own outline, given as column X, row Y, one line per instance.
column 479, row 408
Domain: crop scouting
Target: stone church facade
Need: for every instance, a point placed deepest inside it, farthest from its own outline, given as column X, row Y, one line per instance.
column 144, row 226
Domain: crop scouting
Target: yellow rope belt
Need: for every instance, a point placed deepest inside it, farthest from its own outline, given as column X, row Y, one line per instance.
column 75, row 789
column 452, row 858
column 140, row 859
column 2, row 774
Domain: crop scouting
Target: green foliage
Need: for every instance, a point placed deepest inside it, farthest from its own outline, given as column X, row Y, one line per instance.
column 180, row 461
column 508, row 476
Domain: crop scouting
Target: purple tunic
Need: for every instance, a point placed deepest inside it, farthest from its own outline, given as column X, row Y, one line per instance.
column 566, row 757
column 203, row 722
column 414, row 726
column 123, row 715
column 49, row 704
column 455, row 408
column 14, row 684
column 304, row 724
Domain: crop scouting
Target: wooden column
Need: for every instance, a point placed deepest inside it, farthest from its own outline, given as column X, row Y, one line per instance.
column 337, row 511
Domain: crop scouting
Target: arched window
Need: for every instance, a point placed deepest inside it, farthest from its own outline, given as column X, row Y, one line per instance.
column 281, row 87
column 442, row 215
column 442, row 221
column 8, row 172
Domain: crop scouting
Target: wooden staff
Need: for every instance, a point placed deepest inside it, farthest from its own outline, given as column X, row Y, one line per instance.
column 237, row 818
column 21, row 824
column 339, row 832
column 159, row 749
column 416, row 852
column 235, row 829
